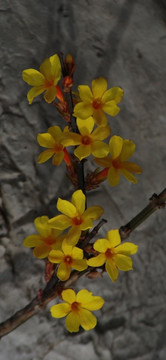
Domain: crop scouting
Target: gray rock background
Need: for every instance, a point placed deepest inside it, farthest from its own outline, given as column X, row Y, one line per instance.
column 125, row 41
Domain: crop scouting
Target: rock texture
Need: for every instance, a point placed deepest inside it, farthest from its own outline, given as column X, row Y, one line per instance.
column 125, row 41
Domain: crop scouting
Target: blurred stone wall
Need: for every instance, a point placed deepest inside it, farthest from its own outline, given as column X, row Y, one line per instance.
column 125, row 41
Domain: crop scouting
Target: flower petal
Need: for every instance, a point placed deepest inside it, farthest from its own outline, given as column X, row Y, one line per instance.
column 99, row 149
column 66, row 207
column 32, row 241
column 128, row 149
column 83, row 110
column 127, row 248
column 114, row 238
column 111, row 108
column 113, row 176
column 100, row 118
column 71, row 139
column 104, row 162
column 50, row 94
column 87, row 320
column 96, row 261
column 77, row 253
column 45, row 155
column 73, row 235
column 58, row 158
column 63, row 271
column 41, row 251
column 42, row 226
column 93, row 212
column 79, row 265
column 129, row 176
column 69, row 296
column 85, row 93
column 115, row 93
column 78, row 200
column 123, row 262
column 115, row 145
column 55, row 67
column 130, row 166
column 72, row 322
column 85, row 126
column 56, row 256
column 60, row 310
column 99, row 86
column 33, row 77
column 46, row 140
column 82, row 151
column 45, row 68
column 60, row 222
column 111, row 270
column 55, row 132
column 101, row 133
column 101, row 245
column 33, row 92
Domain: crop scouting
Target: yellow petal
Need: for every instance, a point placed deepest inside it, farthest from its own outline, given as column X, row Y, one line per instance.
column 41, row 251
column 100, row 118
column 45, row 68
column 123, row 262
column 55, row 132
column 128, row 149
column 83, row 110
column 104, row 162
column 50, row 94
column 46, row 140
column 69, row 296
column 99, row 86
column 85, row 125
column 66, row 207
column 33, row 77
column 101, row 133
column 88, row 301
column 77, row 253
column 115, row 145
column 79, row 265
column 35, row 91
column 74, row 234
column 127, row 248
column 111, row 270
column 113, row 176
column 111, row 108
column 84, row 295
column 130, row 166
column 72, row 322
column 78, row 200
column 113, row 238
column 101, row 245
column 60, row 222
column 60, row 310
column 85, row 93
column 55, row 67
column 56, row 256
column 32, row 241
column 93, row 212
column 96, row 261
column 42, row 226
column 82, row 151
column 63, row 271
column 99, row 149
column 58, row 158
column 71, row 139
column 129, row 176
column 87, row 224
column 45, row 155
column 87, row 320
column 114, row 93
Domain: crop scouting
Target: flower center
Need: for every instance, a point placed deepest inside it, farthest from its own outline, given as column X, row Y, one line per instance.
column 116, row 163
column 75, row 306
column 49, row 240
column 58, row 148
column 86, row 140
column 68, row 259
column 49, row 82
column 109, row 253
column 97, row 104
column 77, row 220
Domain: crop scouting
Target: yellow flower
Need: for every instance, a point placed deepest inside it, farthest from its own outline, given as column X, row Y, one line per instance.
column 89, row 142
column 75, row 216
column 120, row 151
column 114, row 254
column 69, row 257
column 98, row 101
column 77, row 308
column 44, row 80
column 47, row 239
column 53, row 141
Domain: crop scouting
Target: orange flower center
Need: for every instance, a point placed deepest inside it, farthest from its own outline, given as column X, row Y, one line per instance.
column 68, row 259
column 49, row 240
column 86, row 140
column 77, row 220
column 97, row 104
column 58, row 148
column 75, row 306
column 49, row 82
column 109, row 253
column 116, row 163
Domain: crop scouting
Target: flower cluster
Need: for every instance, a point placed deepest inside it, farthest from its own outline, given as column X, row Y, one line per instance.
column 60, row 239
